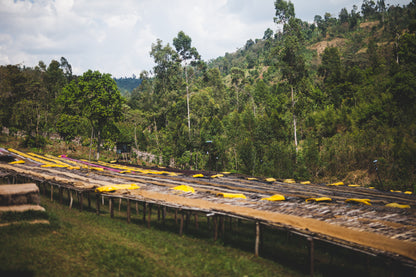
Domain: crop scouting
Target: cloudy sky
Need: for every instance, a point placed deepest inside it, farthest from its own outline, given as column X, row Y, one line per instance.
column 116, row 36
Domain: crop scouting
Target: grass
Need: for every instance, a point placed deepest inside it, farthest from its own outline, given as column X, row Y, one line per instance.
column 84, row 244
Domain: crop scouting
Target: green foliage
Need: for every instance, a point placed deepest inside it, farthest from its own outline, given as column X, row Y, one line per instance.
column 350, row 104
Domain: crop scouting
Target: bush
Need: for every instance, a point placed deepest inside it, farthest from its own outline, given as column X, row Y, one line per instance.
column 34, row 142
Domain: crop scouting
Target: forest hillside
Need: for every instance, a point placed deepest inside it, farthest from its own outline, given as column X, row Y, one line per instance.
column 328, row 100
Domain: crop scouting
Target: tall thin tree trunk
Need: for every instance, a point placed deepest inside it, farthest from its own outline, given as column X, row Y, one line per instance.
column 187, row 102
column 92, row 132
column 98, row 144
column 294, row 119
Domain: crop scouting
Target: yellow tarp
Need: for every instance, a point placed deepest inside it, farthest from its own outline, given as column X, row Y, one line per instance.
column 184, row 188
column 276, row 197
column 226, row 172
column 354, row 186
column 289, row 181
column 217, row 176
column 252, row 179
column 408, row 192
column 336, row 184
column 111, row 188
column 18, row 162
column 396, row 191
column 319, row 199
column 305, row 183
column 270, row 180
column 395, row 205
column 231, row 195
column 358, row 200
column 198, row 176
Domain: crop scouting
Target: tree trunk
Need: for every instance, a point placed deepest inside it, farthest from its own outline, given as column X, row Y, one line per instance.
column 187, row 102
column 294, row 119
column 98, row 143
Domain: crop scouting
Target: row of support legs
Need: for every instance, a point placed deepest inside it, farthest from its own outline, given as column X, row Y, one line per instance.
column 218, row 221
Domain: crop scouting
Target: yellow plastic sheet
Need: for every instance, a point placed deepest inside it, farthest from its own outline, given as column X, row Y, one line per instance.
column 336, row 184
column 358, row 200
column 399, row 191
column 18, row 162
column 184, row 188
column 111, row 188
column 396, row 205
column 231, row 195
column 198, row 176
column 217, row 176
column 289, row 181
column 354, row 186
column 270, row 180
column 276, row 197
column 305, row 183
column 319, row 199
column 252, row 179
column 408, row 192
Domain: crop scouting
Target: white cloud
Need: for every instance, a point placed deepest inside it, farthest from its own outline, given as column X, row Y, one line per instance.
column 116, row 36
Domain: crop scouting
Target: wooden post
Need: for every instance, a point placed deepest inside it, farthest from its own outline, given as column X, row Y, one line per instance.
column 196, row 221
column 128, row 210
column 70, row 198
column 144, row 212
column 215, row 227
column 110, row 205
column 158, row 213
column 222, row 227
column 176, row 216
column 80, row 201
column 257, row 243
column 97, row 196
column 119, row 204
column 311, row 255
column 137, row 208
column 149, row 215
column 89, row 200
column 51, row 192
column 187, row 220
column 163, row 215
column 60, row 195
column 181, row 227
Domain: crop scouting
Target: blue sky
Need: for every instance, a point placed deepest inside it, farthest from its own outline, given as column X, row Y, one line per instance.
column 116, row 36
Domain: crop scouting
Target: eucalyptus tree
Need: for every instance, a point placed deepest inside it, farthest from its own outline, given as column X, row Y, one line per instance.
column 291, row 57
column 188, row 55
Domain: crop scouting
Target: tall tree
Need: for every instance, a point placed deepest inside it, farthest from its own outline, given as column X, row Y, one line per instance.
column 96, row 97
column 291, row 56
column 188, row 55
